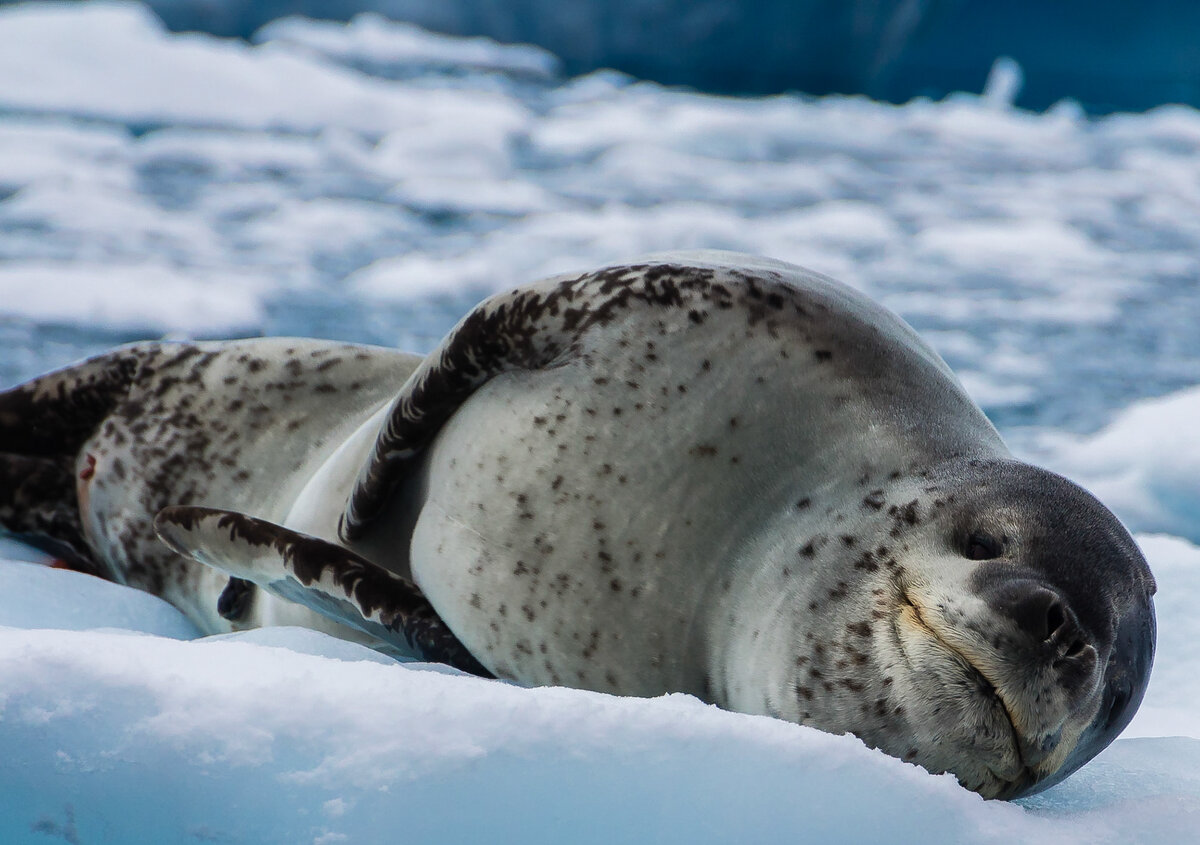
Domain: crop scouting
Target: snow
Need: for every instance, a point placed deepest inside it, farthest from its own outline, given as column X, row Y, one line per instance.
column 150, row 296
column 141, row 75
column 57, row 598
column 1144, row 463
column 1170, row 707
column 370, row 182
column 395, row 50
column 288, row 735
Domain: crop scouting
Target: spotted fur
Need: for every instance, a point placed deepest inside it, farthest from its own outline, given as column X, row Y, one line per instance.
column 704, row 473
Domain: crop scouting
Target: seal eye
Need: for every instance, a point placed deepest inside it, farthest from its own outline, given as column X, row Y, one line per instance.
column 981, row 547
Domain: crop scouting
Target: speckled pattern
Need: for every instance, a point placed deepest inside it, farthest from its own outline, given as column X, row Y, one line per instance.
column 232, row 425
column 705, row 473
column 739, row 480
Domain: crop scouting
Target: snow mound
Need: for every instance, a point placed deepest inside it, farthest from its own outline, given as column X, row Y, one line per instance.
column 138, row 74
column 1144, row 464
column 286, row 735
column 37, row 596
column 147, row 739
column 394, row 50
column 144, row 296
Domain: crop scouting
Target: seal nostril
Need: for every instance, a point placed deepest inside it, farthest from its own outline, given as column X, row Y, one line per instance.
column 1055, row 619
column 1039, row 613
column 1076, row 649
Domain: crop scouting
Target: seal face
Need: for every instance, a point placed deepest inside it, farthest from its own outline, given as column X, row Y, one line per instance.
column 705, row 473
column 1005, row 617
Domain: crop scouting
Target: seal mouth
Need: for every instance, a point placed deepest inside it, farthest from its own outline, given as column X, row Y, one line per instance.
column 1002, row 786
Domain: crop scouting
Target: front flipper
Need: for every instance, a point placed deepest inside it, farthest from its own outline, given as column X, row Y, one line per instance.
column 536, row 327
column 325, row 577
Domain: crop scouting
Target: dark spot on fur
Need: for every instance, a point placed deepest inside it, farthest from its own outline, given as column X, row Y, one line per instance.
column 866, row 561
column 874, row 500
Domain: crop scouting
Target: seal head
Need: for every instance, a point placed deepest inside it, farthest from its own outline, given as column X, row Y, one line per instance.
column 1002, row 628
column 1064, row 631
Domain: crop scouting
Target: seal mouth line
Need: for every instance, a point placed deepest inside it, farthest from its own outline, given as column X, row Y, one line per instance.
column 987, row 688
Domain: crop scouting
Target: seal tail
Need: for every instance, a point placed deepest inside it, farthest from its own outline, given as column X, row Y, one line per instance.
column 44, row 424
column 322, row 576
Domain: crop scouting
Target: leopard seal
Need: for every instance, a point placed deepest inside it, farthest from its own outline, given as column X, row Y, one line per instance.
column 705, row 472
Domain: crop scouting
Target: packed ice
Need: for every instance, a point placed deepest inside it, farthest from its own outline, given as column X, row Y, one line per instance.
column 370, row 182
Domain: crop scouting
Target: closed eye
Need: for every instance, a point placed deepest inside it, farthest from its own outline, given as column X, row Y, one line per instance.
column 981, row 546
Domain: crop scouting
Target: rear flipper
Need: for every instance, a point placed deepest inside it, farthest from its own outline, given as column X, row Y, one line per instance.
column 38, row 507
column 325, row 577
column 43, row 425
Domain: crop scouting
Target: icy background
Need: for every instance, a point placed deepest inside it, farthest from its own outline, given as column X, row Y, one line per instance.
column 1110, row 55
column 370, row 182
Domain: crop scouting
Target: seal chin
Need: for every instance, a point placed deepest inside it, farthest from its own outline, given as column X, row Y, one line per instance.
column 1000, row 788
column 999, row 768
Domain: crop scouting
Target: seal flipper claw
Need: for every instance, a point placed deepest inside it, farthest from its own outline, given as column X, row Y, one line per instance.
column 320, row 575
column 234, row 601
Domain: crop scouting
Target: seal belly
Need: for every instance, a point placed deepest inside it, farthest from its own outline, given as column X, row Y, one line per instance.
column 563, row 550
column 536, row 540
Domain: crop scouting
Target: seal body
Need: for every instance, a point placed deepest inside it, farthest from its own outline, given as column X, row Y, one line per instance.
column 659, row 489
column 706, row 473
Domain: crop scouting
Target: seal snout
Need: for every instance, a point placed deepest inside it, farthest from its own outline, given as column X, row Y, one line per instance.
column 1046, row 629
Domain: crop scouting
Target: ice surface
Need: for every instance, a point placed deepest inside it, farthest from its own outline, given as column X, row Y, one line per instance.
column 1171, row 706
column 287, row 735
column 137, row 739
column 150, row 296
column 139, row 75
column 369, row 183
column 37, row 596
column 396, row 50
